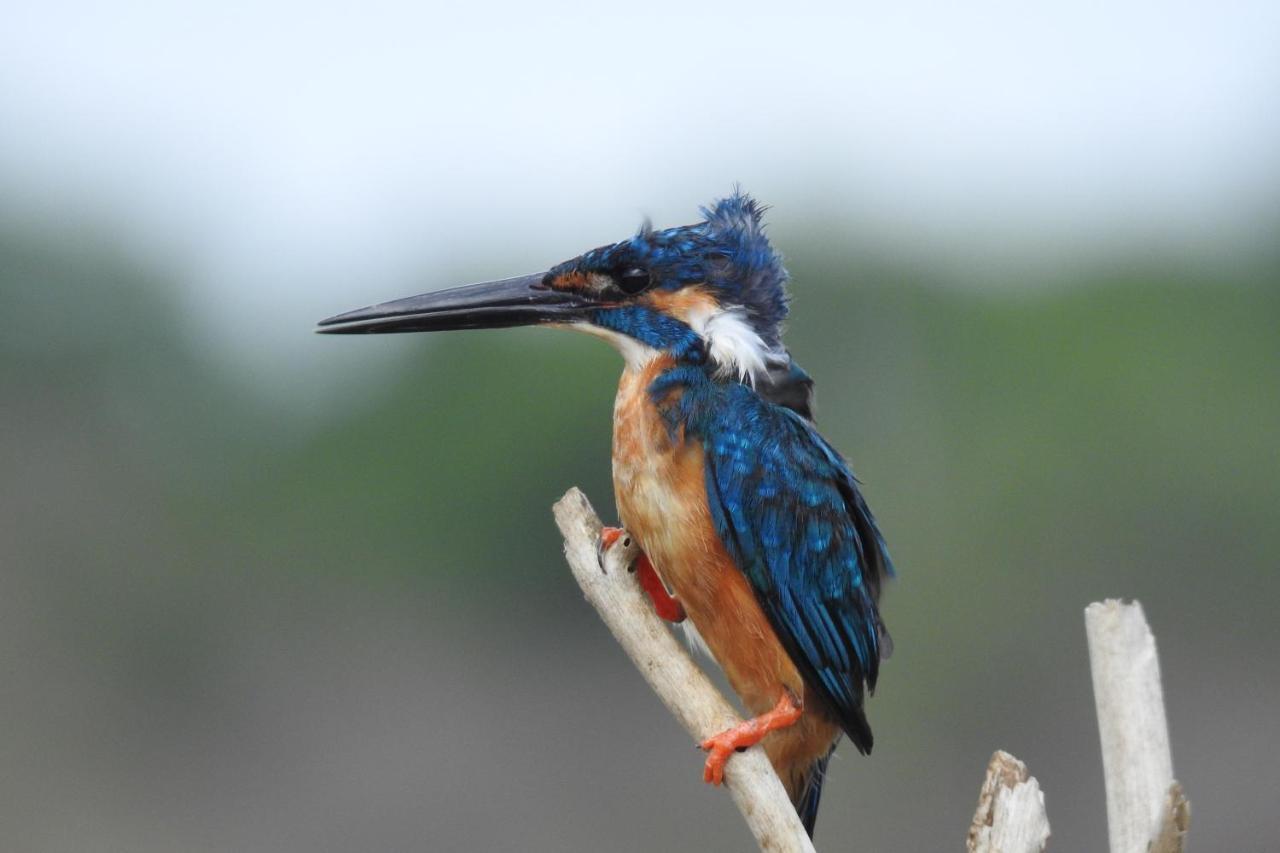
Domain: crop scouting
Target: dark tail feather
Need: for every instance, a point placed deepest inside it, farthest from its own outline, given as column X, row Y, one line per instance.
column 811, row 793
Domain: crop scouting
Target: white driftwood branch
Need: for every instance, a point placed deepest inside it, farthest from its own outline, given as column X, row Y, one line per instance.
column 681, row 686
column 1144, row 806
column 1010, row 816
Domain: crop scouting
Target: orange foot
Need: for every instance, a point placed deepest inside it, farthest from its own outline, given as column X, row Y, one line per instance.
column 722, row 746
column 664, row 604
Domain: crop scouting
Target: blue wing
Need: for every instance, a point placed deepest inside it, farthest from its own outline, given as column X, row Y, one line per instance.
column 789, row 512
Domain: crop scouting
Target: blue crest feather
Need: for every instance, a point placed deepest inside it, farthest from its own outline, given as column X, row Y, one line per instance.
column 754, row 276
column 728, row 252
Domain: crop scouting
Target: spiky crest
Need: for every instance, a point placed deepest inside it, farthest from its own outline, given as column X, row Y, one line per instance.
column 726, row 261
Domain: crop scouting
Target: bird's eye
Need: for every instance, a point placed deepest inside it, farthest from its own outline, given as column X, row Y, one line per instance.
column 634, row 280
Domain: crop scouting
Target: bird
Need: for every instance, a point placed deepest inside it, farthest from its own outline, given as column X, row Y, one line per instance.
column 754, row 532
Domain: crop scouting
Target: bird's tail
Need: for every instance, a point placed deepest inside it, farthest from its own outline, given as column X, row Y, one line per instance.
column 810, row 793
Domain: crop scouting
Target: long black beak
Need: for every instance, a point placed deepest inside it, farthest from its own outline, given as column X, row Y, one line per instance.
column 521, row 301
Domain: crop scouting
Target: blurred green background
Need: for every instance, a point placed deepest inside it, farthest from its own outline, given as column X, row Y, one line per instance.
column 264, row 590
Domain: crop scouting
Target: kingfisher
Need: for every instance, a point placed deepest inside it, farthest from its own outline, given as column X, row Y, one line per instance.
column 755, row 534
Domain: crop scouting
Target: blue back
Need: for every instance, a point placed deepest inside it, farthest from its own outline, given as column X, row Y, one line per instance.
column 789, row 513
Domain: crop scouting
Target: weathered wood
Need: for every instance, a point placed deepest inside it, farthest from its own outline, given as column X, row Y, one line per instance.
column 1011, row 816
column 1146, row 809
column 677, row 680
column 1174, row 822
column 1143, row 806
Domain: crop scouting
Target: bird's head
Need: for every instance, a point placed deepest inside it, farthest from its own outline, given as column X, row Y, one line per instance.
column 713, row 292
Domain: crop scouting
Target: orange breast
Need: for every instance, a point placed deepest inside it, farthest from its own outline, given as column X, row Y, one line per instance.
column 660, row 487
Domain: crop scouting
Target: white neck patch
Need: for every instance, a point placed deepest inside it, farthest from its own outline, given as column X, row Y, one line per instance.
column 634, row 353
column 733, row 345
column 735, row 348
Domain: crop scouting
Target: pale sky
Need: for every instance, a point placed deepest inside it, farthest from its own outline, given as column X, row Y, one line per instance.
column 287, row 155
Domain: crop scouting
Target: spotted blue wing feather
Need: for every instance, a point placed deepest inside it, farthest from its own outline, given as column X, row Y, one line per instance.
column 789, row 513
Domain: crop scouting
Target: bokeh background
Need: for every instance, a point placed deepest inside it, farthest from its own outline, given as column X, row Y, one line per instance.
column 262, row 590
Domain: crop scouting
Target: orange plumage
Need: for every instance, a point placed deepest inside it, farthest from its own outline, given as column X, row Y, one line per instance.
column 660, row 487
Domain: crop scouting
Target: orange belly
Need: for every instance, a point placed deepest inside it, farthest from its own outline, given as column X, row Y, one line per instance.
column 661, row 494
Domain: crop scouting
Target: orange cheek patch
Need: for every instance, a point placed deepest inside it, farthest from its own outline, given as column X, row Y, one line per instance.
column 683, row 303
column 571, row 281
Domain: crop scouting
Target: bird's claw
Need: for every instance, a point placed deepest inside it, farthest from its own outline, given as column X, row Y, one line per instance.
column 664, row 604
column 719, row 748
column 608, row 537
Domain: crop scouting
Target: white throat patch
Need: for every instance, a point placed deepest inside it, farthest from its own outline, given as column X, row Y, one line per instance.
column 733, row 345
column 634, row 353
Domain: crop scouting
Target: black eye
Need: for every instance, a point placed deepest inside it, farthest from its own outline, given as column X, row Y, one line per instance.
column 632, row 281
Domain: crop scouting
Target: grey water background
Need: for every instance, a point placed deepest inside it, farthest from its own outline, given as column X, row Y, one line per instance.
column 266, row 591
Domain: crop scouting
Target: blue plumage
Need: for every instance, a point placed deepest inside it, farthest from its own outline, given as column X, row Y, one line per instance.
column 786, row 506
column 727, row 252
column 788, row 510
column 651, row 328
column 811, row 792
column 697, row 312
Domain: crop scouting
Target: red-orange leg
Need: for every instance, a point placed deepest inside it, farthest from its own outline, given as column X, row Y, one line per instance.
column 721, row 747
column 664, row 604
